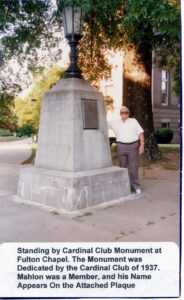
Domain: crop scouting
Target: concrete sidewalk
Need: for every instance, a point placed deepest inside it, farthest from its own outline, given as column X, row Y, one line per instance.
column 15, row 152
column 152, row 217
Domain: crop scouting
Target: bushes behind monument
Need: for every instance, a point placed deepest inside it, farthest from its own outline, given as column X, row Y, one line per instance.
column 27, row 129
column 164, row 135
column 5, row 132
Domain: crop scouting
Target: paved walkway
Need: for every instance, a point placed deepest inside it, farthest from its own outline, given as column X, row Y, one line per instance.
column 152, row 217
column 15, row 152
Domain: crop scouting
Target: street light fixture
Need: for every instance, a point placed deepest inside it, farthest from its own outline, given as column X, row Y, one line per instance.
column 72, row 21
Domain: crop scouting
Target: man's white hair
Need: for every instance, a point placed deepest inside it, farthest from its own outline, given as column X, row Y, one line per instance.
column 124, row 107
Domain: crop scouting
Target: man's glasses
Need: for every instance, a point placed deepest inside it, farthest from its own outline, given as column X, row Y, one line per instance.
column 124, row 112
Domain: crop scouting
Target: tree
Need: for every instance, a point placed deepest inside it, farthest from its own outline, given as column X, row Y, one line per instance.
column 144, row 27
column 7, row 118
column 26, row 26
column 137, row 94
column 29, row 39
column 28, row 109
column 150, row 25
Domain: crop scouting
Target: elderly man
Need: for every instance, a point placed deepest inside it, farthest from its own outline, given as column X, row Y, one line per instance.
column 130, row 143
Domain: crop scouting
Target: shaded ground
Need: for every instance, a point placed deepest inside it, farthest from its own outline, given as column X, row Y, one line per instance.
column 169, row 161
column 152, row 217
column 167, row 167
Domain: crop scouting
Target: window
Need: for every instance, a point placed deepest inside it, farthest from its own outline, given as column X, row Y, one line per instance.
column 165, row 87
column 165, row 125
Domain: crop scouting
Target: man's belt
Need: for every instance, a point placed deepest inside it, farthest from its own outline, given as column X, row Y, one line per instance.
column 127, row 143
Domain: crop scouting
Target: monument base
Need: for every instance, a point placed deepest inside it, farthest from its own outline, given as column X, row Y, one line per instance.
column 72, row 191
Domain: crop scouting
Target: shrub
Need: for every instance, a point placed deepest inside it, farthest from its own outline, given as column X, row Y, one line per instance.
column 5, row 132
column 27, row 129
column 164, row 135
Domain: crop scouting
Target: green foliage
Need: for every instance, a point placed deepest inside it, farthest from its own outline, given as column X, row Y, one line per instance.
column 86, row 214
column 28, row 110
column 102, row 32
column 23, row 24
column 28, row 37
column 5, row 132
column 27, row 128
column 108, row 25
column 7, row 118
column 115, row 24
column 164, row 135
column 152, row 25
column 154, row 22
column 155, row 25
column 170, row 148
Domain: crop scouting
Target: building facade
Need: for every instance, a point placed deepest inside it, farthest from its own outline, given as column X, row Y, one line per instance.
column 166, row 106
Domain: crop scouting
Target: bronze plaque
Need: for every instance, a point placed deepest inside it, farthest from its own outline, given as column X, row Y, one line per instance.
column 90, row 114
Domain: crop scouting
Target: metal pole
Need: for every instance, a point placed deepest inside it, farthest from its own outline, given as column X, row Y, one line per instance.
column 73, row 70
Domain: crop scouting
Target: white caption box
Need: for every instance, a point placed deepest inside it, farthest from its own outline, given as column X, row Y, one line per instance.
column 89, row 270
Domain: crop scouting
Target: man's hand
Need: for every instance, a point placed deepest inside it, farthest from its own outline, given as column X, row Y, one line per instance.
column 141, row 149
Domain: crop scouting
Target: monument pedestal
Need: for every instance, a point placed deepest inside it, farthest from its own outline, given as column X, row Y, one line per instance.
column 72, row 190
column 73, row 168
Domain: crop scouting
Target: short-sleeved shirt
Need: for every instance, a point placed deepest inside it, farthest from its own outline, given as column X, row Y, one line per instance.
column 127, row 131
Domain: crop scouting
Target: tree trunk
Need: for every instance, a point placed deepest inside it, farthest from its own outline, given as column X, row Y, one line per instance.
column 137, row 94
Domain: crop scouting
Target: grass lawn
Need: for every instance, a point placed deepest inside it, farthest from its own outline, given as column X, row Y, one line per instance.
column 169, row 148
column 31, row 159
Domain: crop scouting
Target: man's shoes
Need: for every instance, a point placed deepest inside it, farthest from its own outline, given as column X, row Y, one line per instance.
column 138, row 192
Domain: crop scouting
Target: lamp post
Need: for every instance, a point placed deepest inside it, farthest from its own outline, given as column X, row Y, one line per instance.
column 72, row 21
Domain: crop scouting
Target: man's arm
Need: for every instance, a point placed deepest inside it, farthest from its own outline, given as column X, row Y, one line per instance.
column 141, row 148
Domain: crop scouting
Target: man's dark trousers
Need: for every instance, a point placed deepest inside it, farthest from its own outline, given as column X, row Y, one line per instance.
column 128, row 158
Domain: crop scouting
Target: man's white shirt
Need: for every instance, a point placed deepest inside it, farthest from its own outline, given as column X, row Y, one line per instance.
column 127, row 131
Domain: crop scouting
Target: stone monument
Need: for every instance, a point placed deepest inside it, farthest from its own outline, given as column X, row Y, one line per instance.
column 73, row 168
